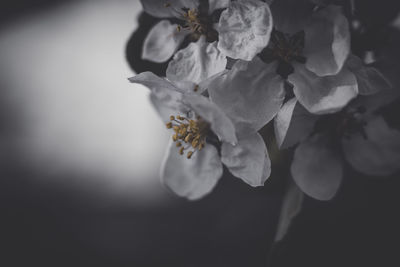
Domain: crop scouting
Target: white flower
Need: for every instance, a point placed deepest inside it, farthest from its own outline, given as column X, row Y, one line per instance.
column 243, row 29
column 359, row 135
column 204, row 138
column 164, row 38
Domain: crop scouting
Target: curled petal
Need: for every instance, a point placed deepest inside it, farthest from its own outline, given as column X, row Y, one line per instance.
column 195, row 177
column 322, row 95
column 162, row 42
column 327, row 41
column 251, row 94
column 220, row 123
column 196, row 62
column 167, row 8
column 378, row 153
column 316, row 169
column 244, row 29
column 165, row 97
column 248, row 160
column 370, row 80
column 293, row 124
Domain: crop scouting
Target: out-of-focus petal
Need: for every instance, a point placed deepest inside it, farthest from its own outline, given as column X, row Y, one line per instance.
column 369, row 79
column 217, row 4
column 244, row 29
column 165, row 97
column 162, row 42
column 293, row 124
column 220, row 123
column 251, row 94
column 321, row 95
column 290, row 16
column 195, row 177
column 196, row 62
column 379, row 153
column 327, row 41
column 160, row 9
column 248, row 160
column 316, row 168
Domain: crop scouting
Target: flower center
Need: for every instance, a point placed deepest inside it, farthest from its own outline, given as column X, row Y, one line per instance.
column 285, row 49
column 190, row 135
column 196, row 22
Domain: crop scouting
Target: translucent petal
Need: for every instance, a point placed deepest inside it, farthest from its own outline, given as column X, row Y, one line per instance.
column 248, row 160
column 158, row 8
column 251, row 94
column 327, row 41
column 321, row 95
column 196, row 62
column 162, row 42
column 195, row 177
column 316, row 169
column 293, row 124
column 244, row 29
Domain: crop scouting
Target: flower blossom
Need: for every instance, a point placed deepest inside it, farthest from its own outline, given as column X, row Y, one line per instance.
column 203, row 136
column 308, row 64
column 242, row 29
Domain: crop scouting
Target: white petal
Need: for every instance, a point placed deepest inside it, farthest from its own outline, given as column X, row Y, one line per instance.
column 251, row 94
column 158, row 8
column 290, row 16
column 165, row 97
column 192, row 178
column 162, row 42
column 321, row 95
column 291, row 207
column 327, row 41
column 316, row 169
column 369, row 80
column 217, row 4
column 248, row 160
column 293, row 124
column 196, row 62
column 220, row 123
column 379, row 154
column 244, row 29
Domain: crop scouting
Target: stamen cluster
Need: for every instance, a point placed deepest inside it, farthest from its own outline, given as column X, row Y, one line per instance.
column 189, row 133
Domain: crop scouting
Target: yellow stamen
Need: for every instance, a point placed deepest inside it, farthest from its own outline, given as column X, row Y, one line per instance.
column 192, row 132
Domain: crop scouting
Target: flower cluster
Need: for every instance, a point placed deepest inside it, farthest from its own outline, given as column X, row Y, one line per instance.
column 236, row 66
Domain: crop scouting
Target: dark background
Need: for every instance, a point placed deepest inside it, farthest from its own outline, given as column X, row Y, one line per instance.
column 59, row 224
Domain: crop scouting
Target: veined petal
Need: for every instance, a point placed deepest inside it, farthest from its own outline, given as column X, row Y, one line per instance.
column 165, row 97
column 316, row 169
column 162, row 42
column 327, row 41
column 370, row 80
column 293, row 124
column 167, row 8
column 251, row 94
column 244, row 29
column 322, row 95
column 248, row 160
column 379, row 153
column 290, row 16
column 195, row 177
column 217, row 4
column 220, row 123
column 196, row 62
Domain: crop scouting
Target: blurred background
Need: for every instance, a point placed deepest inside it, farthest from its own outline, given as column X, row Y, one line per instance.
column 80, row 153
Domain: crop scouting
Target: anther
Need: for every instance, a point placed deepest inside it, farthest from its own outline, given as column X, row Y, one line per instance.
column 181, row 150
column 169, row 125
column 172, row 118
column 189, row 154
column 178, row 144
